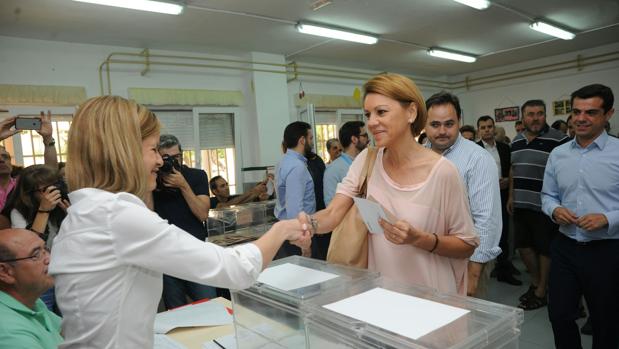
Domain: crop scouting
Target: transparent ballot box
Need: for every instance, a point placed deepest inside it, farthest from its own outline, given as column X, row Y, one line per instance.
column 240, row 223
column 385, row 314
column 270, row 314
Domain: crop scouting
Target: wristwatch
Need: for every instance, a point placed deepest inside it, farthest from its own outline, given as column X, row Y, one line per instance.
column 51, row 143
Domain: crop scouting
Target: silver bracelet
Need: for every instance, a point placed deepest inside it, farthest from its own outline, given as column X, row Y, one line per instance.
column 314, row 224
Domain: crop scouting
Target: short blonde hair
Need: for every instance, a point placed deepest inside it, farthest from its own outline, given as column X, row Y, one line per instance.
column 403, row 90
column 105, row 145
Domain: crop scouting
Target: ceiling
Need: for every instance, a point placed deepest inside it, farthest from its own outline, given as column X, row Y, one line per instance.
column 499, row 34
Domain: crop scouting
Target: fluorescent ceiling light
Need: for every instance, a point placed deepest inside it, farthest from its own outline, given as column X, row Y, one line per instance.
column 142, row 5
column 451, row 55
column 335, row 34
column 478, row 4
column 551, row 30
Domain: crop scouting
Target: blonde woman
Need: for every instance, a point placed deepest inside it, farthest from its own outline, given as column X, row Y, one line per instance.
column 111, row 250
column 433, row 236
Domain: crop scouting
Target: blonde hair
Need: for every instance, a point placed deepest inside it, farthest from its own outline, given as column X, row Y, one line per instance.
column 105, row 145
column 403, row 90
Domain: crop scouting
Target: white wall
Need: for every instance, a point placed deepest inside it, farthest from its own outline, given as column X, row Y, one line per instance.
column 550, row 87
column 38, row 62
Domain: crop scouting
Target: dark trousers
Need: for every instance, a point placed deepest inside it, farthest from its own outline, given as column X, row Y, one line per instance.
column 503, row 265
column 320, row 246
column 589, row 269
column 175, row 291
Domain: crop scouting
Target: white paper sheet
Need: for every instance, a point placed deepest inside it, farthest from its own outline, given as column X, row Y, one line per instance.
column 370, row 213
column 405, row 315
column 291, row 276
column 164, row 342
column 195, row 315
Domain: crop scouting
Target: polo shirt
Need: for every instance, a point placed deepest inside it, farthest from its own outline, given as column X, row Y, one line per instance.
column 171, row 205
column 528, row 163
column 25, row 328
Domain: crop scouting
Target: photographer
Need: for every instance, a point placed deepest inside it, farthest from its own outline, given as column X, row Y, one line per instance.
column 40, row 204
column 182, row 197
column 221, row 190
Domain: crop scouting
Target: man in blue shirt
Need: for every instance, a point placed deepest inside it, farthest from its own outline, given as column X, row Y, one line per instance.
column 353, row 138
column 480, row 176
column 581, row 194
column 293, row 182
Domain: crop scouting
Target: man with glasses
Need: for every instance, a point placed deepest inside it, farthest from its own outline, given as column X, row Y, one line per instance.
column 581, row 194
column 26, row 322
column 183, row 199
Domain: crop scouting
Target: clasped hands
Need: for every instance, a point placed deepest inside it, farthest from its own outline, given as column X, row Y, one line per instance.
column 588, row 222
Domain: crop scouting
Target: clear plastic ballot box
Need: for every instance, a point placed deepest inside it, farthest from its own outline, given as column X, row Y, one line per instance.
column 383, row 314
column 270, row 314
column 240, row 223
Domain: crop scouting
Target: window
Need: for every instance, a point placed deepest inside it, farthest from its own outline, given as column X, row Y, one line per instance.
column 327, row 126
column 32, row 143
column 217, row 151
column 212, row 133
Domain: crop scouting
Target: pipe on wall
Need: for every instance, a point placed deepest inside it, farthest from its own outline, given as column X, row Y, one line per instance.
column 296, row 70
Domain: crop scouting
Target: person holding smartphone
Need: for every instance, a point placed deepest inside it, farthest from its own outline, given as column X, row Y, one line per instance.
column 7, row 130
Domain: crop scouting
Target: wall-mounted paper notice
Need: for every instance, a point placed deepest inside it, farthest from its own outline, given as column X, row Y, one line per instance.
column 289, row 276
column 405, row 315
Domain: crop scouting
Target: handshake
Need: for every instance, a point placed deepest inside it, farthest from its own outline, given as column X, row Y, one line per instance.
column 298, row 231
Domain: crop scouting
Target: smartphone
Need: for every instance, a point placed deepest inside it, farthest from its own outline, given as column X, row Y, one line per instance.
column 23, row 123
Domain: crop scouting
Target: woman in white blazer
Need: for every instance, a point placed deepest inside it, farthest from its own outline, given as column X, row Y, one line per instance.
column 111, row 250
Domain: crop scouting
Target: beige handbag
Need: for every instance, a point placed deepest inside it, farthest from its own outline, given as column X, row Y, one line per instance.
column 349, row 240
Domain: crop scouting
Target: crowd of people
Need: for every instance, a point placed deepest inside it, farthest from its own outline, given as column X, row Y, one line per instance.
column 99, row 244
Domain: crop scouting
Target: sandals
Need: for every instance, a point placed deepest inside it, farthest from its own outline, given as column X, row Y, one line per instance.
column 530, row 292
column 533, row 302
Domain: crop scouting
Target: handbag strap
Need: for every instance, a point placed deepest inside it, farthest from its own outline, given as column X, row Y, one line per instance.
column 366, row 172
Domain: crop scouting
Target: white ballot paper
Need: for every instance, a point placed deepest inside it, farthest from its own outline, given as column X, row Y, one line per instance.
column 194, row 315
column 164, row 342
column 289, row 276
column 370, row 213
column 405, row 315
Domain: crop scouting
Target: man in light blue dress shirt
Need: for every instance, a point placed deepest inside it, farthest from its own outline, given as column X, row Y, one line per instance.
column 581, row 193
column 353, row 138
column 293, row 182
column 480, row 176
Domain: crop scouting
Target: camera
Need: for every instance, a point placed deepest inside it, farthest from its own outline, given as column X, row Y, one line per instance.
column 170, row 163
column 62, row 187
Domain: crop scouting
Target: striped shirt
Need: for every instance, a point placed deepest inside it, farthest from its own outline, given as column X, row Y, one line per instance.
column 478, row 171
column 528, row 164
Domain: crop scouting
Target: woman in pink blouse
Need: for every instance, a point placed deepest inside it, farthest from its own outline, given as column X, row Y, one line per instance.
column 433, row 237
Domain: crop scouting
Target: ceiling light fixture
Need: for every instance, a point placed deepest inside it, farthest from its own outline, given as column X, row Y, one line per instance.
column 477, row 4
column 312, row 29
column 142, row 5
column 456, row 56
column 546, row 28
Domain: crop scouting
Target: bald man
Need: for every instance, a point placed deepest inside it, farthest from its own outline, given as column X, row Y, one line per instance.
column 26, row 321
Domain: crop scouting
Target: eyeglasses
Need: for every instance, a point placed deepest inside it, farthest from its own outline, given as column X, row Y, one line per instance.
column 35, row 257
column 589, row 112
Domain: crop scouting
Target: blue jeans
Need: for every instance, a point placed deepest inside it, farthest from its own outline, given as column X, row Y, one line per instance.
column 175, row 291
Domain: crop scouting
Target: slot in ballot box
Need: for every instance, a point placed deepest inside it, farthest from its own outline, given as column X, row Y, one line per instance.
column 270, row 314
column 384, row 314
column 239, row 223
